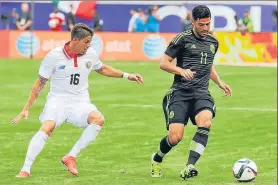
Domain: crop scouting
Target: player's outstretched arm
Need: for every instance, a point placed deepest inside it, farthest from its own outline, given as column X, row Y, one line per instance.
column 215, row 77
column 112, row 72
column 36, row 90
column 165, row 64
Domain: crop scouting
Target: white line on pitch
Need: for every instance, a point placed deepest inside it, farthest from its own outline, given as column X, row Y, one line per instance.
column 217, row 108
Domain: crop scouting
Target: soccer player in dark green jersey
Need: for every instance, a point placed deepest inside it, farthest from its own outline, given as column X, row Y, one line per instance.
column 189, row 97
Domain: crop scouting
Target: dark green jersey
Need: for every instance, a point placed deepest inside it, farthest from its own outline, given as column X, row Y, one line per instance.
column 195, row 54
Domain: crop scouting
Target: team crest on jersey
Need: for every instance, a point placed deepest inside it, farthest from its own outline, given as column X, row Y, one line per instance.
column 88, row 64
column 212, row 48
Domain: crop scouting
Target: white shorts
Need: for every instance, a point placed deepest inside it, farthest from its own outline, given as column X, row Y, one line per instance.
column 67, row 110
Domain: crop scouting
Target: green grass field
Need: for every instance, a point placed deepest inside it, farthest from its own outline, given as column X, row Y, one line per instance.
column 245, row 126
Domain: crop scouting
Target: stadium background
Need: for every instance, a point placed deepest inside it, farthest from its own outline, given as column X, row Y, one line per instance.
column 246, row 124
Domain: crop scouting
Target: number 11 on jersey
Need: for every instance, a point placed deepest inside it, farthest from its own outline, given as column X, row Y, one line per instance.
column 204, row 56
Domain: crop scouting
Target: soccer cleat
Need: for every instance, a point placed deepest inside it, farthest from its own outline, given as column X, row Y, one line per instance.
column 70, row 163
column 23, row 174
column 156, row 168
column 188, row 172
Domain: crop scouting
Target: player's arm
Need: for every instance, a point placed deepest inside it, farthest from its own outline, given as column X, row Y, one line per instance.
column 35, row 91
column 171, row 52
column 109, row 71
column 45, row 72
column 215, row 77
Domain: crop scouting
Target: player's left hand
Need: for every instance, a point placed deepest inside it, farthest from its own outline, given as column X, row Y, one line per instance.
column 22, row 114
column 136, row 77
column 226, row 88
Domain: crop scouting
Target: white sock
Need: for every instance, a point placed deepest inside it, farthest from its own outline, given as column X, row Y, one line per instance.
column 35, row 147
column 87, row 137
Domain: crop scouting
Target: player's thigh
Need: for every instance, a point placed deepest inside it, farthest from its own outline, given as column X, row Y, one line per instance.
column 79, row 114
column 54, row 110
column 203, row 111
column 175, row 111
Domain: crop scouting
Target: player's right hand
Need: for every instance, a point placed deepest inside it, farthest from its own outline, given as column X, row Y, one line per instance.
column 187, row 74
column 22, row 114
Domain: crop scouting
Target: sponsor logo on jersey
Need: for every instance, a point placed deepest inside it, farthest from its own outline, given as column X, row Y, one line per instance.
column 62, row 67
column 193, row 46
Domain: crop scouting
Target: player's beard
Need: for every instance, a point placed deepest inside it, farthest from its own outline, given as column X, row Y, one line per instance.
column 204, row 34
column 200, row 33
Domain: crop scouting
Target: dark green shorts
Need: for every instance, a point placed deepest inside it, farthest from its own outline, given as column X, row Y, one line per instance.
column 179, row 106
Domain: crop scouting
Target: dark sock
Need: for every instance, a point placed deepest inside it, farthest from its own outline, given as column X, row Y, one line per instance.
column 198, row 145
column 164, row 147
column 193, row 157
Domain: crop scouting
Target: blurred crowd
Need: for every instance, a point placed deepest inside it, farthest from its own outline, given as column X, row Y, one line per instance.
column 23, row 19
column 144, row 21
column 244, row 24
column 140, row 20
column 148, row 21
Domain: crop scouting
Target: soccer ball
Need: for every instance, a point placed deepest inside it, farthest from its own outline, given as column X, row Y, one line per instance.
column 245, row 170
column 52, row 23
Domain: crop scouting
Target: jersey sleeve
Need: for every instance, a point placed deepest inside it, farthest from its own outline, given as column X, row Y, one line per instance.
column 97, row 64
column 217, row 46
column 175, row 46
column 47, row 66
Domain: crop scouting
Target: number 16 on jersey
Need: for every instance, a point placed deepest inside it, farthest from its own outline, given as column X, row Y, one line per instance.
column 74, row 79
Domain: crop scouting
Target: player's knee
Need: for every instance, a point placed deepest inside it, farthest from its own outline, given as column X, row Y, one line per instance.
column 207, row 124
column 175, row 133
column 48, row 127
column 204, row 121
column 96, row 118
column 175, row 137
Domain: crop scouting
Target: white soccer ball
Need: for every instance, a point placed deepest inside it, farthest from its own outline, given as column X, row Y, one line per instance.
column 52, row 23
column 245, row 170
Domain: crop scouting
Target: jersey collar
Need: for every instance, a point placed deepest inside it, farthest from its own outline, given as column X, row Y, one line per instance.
column 68, row 54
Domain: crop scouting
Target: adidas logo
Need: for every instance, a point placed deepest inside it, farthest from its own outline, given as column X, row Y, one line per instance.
column 193, row 46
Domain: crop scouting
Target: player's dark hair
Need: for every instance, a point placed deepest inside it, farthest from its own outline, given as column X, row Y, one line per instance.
column 81, row 31
column 200, row 12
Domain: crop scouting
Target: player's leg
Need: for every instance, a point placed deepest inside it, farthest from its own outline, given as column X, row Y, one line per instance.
column 203, row 113
column 87, row 116
column 176, row 117
column 36, row 145
column 95, row 122
column 174, row 136
column 51, row 117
